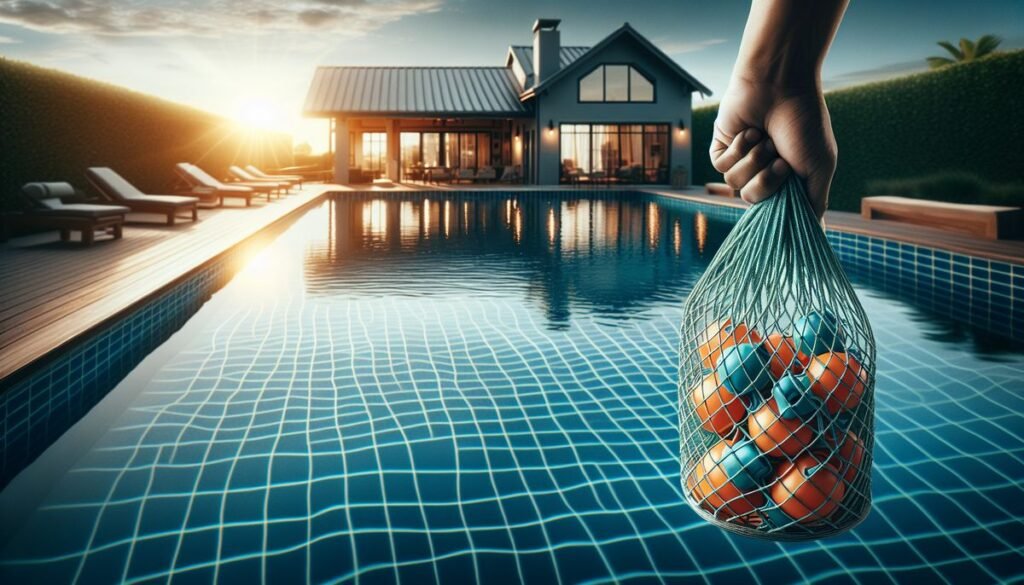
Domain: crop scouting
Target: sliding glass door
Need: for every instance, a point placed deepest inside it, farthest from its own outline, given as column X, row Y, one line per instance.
column 467, row 150
column 375, row 153
column 420, row 151
column 627, row 153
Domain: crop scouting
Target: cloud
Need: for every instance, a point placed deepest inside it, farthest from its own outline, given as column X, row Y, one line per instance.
column 671, row 47
column 8, row 40
column 212, row 18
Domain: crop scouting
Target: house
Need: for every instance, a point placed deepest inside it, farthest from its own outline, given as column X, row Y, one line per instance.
column 618, row 111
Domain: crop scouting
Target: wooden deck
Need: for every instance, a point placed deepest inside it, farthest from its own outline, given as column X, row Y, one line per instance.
column 53, row 292
column 844, row 221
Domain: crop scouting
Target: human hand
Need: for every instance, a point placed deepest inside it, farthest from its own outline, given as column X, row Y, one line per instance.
column 766, row 130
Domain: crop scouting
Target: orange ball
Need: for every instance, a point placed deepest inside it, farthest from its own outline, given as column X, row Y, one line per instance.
column 718, row 409
column 806, row 490
column 710, row 486
column 837, row 379
column 784, row 356
column 777, row 436
column 851, row 457
column 719, row 336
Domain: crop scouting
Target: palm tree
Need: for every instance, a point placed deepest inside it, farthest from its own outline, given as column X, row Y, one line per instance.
column 967, row 51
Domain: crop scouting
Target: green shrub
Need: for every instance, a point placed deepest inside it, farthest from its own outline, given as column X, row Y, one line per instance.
column 955, row 187
column 54, row 125
column 963, row 118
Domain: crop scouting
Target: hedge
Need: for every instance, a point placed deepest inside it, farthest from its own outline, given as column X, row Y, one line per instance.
column 54, row 125
column 965, row 119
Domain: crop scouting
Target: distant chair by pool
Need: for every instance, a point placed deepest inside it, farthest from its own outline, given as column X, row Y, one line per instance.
column 467, row 175
column 115, row 188
column 437, row 175
column 486, row 174
column 259, row 174
column 198, row 178
column 510, row 175
column 48, row 211
column 246, row 178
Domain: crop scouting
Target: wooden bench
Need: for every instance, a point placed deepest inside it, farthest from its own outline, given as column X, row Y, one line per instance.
column 991, row 222
column 720, row 189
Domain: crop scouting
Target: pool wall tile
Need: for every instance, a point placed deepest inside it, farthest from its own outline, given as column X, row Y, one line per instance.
column 39, row 408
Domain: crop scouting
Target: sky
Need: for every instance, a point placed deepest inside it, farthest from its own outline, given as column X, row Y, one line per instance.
column 252, row 60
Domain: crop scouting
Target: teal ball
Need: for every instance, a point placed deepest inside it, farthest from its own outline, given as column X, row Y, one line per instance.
column 743, row 369
column 745, row 465
column 818, row 332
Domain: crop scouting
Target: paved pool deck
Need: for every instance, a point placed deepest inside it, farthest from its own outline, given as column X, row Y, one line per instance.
column 54, row 293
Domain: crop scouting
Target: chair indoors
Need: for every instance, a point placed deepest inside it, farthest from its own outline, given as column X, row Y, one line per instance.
column 438, row 175
column 47, row 210
column 486, row 175
column 467, row 175
column 116, row 189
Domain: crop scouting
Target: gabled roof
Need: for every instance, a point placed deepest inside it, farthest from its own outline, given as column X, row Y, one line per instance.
column 624, row 30
column 524, row 55
column 420, row 91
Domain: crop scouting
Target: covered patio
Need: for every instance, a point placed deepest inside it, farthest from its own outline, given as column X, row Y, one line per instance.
column 423, row 123
column 430, row 150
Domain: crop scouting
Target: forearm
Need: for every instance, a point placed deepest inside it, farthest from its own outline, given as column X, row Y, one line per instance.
column 785, row 41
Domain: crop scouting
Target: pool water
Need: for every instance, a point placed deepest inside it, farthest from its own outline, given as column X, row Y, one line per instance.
column 432, row 388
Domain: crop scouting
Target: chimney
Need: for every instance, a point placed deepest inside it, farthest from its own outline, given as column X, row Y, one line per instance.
column 547, row 45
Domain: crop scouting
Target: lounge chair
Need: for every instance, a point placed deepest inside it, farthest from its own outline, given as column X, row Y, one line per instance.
column 291, row 179
column 244, row 177
column 113, row 186
column 48, row 211
column 486, row 174
column 197, row 178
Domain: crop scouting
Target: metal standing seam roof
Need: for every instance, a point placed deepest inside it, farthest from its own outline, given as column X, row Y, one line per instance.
column 566, row 55
column 440, row 91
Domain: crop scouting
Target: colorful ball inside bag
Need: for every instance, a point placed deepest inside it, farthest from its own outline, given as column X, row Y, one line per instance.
column 807, row 388
column 727, row 481
column 721, row 335
column 719, row 409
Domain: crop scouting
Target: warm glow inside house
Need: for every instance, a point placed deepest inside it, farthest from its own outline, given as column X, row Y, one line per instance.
column 617, row 112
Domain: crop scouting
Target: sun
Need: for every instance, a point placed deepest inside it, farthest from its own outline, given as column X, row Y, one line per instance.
column 259, row 114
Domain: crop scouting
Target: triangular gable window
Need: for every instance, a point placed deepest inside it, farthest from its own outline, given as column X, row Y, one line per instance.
column 615, row 83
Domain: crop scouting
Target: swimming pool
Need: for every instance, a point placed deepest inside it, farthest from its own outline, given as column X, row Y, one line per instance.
column 454, row 388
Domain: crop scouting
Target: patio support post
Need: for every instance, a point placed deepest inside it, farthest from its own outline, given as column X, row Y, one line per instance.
column 393, row 147
column 341, row 147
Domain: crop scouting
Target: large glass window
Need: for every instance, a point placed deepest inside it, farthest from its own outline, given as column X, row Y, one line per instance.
column 465, row 150
column 592, row 86
column 641, row 89
column 483, row 150
column 605, row 144
column 431, row 149
column 375, row 152
column 624, row 153
column 420, row 151
column 575, row 150
column 616, row 83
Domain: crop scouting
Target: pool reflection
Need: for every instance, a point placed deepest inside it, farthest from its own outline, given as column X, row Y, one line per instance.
column 609, row 256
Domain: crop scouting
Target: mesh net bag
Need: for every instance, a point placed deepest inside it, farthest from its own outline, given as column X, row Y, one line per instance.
column 776, row 389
